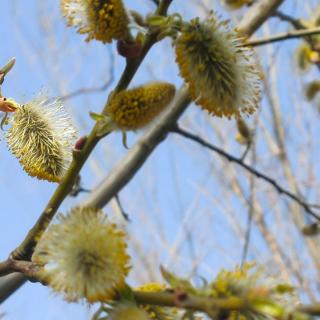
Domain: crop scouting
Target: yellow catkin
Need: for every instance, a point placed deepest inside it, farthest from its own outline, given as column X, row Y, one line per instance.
column 103, row 20
column 83, row 256
column 41, row 136
column 244, row 134
column 136, row 108
column 222, row 74
column 235, row 4
column 312, row 89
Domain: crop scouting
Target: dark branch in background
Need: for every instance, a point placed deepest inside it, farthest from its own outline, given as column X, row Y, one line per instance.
column 296, row 23
column 285, row 36
column 253, row 171
column 123, row 212
column 251, row 21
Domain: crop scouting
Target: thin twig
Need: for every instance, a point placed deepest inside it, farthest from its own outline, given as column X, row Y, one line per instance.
column 253, row 171
column 123, row 213
column 284, row 36
column 296, row 23
column 251, row 208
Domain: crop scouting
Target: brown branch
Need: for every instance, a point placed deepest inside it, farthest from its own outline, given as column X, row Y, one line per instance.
column 253, row 171
column 285, row 36
column 296, row 23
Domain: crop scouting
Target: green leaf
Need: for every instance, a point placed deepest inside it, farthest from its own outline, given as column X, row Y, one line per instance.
column 97, row 116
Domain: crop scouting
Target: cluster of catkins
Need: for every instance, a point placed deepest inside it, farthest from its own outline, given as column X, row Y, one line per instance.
column 83, row 255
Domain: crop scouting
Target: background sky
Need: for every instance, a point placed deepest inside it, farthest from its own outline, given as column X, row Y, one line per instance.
column 178, row 202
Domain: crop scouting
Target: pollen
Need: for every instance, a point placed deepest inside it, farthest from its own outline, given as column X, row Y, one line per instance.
column 222, row 73
column 103, row 20
column 41, row 137
column 136, row 108
column 83, row 256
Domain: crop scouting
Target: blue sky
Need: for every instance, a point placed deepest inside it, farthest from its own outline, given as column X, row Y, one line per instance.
column 52, row 57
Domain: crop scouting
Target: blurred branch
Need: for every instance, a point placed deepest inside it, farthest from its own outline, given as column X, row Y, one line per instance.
column 253, row 171
column 296, row 23
column 285, row 36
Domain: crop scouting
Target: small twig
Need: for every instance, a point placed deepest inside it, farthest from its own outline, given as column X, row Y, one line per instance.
column 123, row 213
column 251, row 209
column 284, row 36
column 29, row 269
column 296, row 23
column 253, row 171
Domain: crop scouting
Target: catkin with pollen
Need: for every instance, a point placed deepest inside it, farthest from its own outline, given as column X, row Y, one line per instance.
column 136, row 108
column 222, row 73
column 103, row 20
column 41, row 137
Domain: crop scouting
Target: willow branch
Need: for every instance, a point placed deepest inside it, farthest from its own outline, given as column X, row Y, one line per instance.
column 252, row 20
column 251, row 170
column 24, row 251
column 211, row 306
column 285, row 36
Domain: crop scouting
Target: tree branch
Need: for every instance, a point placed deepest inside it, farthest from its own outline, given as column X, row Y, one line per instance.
column 209, row 305
column 253, row 171
column 285, row 36
column 24, row 251
column 252, row 20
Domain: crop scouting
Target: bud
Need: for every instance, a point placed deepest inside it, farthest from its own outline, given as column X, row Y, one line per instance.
column 129, row 49
column 244, row 135
column 8, row 105
column 136, row 108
